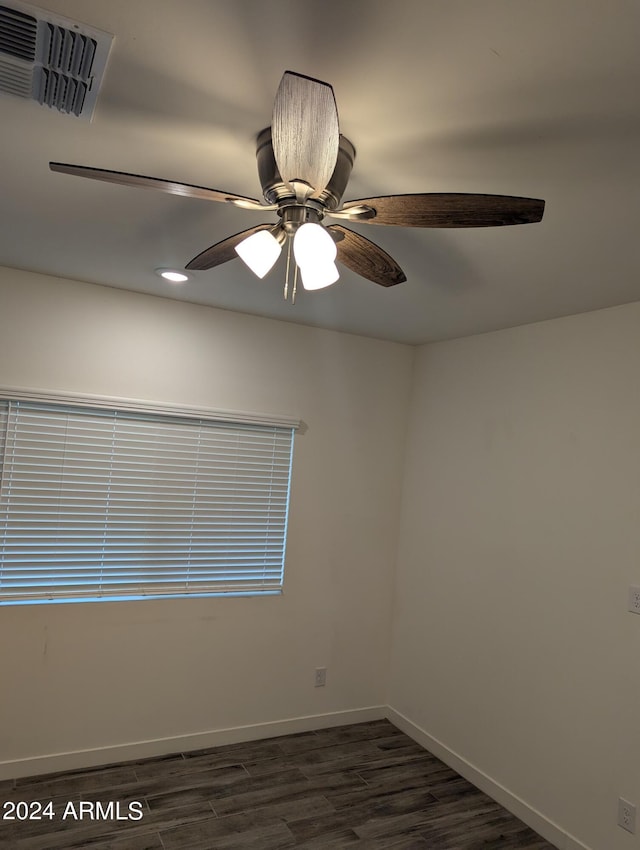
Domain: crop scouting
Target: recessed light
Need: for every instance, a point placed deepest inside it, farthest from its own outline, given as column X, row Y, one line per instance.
column 173, row 275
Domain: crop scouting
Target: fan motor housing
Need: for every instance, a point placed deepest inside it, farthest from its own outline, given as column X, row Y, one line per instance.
column 275, row 190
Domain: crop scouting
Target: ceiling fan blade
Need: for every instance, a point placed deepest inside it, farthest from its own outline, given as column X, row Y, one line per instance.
column 449, row 210
column 224, row 251
column 305, row 132
column 184, row 189
column 366, row 258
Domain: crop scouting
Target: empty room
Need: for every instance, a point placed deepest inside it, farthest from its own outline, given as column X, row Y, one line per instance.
column 321, row 552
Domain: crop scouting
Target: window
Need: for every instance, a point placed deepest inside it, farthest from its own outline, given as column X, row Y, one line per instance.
column 103, row 503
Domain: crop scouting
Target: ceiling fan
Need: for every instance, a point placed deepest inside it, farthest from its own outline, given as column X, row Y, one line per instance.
column 304, row 165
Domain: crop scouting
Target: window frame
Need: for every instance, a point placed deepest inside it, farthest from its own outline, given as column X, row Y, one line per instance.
column 282, row 428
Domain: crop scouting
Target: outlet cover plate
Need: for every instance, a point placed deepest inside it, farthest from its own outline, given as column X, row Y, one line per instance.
column 634, row 599
column 321, row 677
column 627, row 815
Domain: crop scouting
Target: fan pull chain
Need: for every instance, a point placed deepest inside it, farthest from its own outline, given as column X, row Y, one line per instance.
column 295, row 285
column 286, row 278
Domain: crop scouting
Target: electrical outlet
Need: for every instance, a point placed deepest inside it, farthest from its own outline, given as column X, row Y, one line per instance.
column 321, row 677
column 626, row 815
column 634, row 599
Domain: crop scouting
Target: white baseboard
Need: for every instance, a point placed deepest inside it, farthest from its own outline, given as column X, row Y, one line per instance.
column 57, row 762
column 514, row 804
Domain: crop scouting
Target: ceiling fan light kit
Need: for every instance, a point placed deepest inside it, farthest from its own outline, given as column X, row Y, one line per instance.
column 304, row 165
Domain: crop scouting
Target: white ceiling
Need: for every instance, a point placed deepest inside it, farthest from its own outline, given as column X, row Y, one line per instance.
column 538, row 98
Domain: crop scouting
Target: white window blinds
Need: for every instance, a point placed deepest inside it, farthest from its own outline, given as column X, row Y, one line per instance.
column 112, row 504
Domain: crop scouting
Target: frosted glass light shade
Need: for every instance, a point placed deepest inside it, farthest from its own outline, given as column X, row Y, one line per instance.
column 312, row 244
column 259, row 251
column 319, row 275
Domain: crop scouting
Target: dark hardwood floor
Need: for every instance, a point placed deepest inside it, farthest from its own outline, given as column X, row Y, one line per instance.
column 365, row 787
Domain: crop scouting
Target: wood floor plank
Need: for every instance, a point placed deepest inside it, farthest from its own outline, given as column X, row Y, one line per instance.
column 362, row 787
column 328, row 759
column 184, row 789
column 355, row 813
column 400, row 843
column 79, row 781
column 150, row 841
column 197, row 835
column 238, row 753
column 337, row 839
column 274, row 792
column 273, row 837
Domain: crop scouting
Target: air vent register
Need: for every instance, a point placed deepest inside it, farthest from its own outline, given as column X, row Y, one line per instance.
column 53, row 60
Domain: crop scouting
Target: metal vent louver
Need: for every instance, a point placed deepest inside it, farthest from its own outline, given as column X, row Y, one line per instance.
column 50, row 59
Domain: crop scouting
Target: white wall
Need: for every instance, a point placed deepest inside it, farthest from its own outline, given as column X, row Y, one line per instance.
column 512, row 648
column 86, row 676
